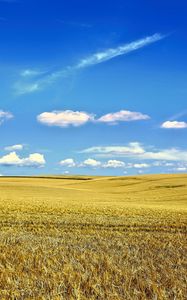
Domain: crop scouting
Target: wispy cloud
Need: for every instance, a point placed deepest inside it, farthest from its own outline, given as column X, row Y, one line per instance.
column 26, row 88
column 4, row 116
column 108, row 54
column 32, row 80
column 31, row 73
column 30, row 84
column 16, row 147
column 23, row 87
column 133, row 148
column 178, row 115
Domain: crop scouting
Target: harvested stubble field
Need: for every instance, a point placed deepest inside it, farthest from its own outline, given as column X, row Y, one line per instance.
column 93, row 238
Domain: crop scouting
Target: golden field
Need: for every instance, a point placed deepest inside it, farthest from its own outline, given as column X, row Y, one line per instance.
column 93, row 238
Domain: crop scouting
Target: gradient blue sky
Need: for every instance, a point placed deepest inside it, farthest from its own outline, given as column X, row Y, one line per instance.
column 56, row 58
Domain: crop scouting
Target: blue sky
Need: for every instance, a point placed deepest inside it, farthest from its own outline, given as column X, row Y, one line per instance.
column 93, row 87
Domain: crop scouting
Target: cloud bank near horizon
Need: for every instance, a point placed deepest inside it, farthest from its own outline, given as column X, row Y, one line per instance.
column 136, row 150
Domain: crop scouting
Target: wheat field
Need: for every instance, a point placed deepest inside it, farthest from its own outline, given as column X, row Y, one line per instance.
column 92, row 238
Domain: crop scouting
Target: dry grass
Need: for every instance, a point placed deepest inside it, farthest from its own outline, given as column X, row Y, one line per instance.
column 100, row 238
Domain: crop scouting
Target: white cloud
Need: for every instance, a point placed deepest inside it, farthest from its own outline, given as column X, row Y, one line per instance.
column 108, row 54
column 174, row 125
column 113, row 163
column 4, row 115
column 140, row 166
column 69, row 162
column 65, row 118
column 14, row 147
column 140, row 171
column 136, row 150
column 181, row 169
column 33, row 160
column 163, row 164
column 91, row 163
column 122, row 116
column 137, row 165
column 96, row 58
